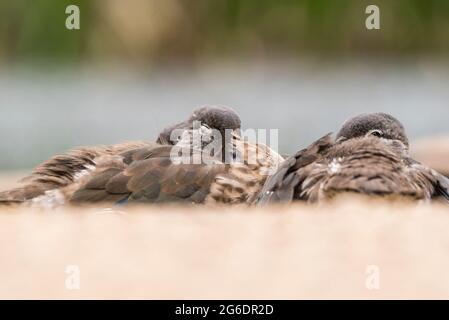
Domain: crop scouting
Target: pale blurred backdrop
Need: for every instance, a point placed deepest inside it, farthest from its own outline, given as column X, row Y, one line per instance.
column 302, row 67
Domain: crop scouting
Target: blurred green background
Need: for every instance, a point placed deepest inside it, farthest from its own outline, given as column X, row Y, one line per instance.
column 156, row 31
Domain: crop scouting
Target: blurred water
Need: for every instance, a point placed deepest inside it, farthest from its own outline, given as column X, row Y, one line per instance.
column 42, row 114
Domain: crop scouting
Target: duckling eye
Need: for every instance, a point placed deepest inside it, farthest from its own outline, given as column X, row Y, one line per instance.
column 377, row 133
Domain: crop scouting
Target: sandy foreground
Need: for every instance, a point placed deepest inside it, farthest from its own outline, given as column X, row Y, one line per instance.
column 349, row 249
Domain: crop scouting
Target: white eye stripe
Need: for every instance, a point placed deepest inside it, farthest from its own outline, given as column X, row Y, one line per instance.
column 376, row 132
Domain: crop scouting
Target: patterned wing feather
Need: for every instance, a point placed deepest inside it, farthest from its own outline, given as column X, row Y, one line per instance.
column 280, row 187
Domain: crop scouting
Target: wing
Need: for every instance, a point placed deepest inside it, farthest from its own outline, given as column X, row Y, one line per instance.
column 442, row 186
column 63, row 170
column 57, row 172
column 280, row 187
column 439, row 182
column 151, row 176
column 21, row 194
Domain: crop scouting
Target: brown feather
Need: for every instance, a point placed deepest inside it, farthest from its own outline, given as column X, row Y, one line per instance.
column 366, row 165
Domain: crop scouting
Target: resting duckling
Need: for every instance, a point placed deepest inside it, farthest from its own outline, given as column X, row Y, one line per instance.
column 53, row 178
column 369, row 156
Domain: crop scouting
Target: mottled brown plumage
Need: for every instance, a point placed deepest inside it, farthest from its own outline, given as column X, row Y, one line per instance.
column 153, row 176
column 370, row 156
column 63, row 172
